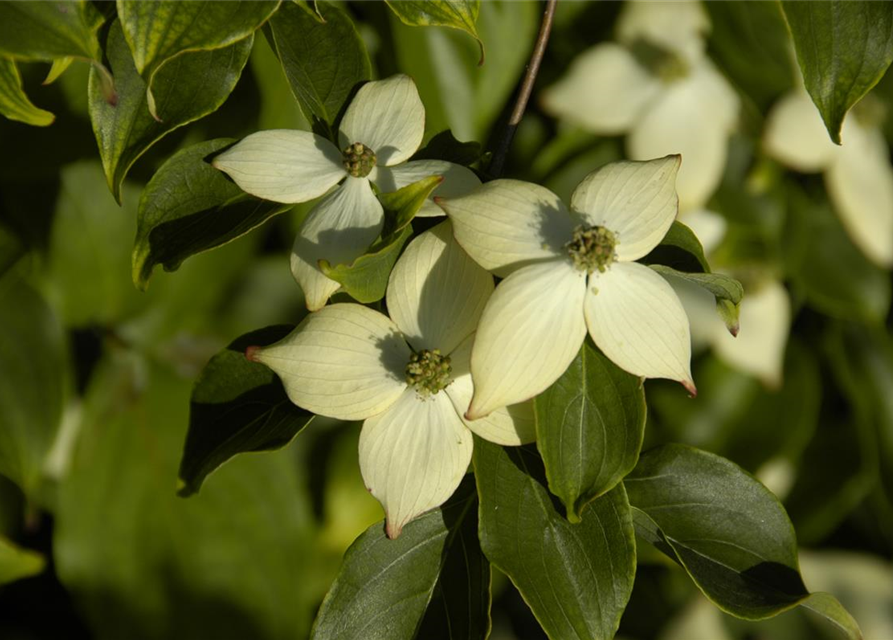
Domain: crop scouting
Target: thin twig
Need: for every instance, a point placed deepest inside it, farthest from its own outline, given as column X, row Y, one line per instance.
column 505, row 141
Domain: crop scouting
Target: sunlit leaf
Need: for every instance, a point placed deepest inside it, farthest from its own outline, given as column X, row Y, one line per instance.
column 14, row 104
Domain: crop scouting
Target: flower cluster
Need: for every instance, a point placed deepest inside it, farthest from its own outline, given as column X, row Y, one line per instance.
column 456, row 354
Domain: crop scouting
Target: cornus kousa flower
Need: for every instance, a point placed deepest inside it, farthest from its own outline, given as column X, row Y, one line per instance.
column 657, row 85
column 407, row 376
column 858, row 174
column 566, row 271
column 382, row 127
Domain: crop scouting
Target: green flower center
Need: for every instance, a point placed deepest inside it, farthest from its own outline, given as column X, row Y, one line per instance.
column 428, row 371
column 592, row 248
column 660, row 62
column 358, row 160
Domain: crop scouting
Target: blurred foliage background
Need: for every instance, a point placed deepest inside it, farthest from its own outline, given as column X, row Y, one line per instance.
column 96, row 376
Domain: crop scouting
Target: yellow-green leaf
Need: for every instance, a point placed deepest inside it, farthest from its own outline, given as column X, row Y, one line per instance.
column 458, row 14
column 14, row 104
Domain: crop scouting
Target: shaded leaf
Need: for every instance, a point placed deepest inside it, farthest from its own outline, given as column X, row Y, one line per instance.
column 444, row 146
column 844, row 47
column 680, row 249
column 385, row 585
column 50, row 30
column 14, row 104
column 323, row 61
column 237, row 406
column 590, row 424
column 458, row 14
column 189, row 207
column 723, row 287
column 17, row 563
column 189, row 87
column 576, row 578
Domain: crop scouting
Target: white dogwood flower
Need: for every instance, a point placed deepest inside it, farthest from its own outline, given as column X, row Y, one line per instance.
column 857, row 174
column 381, row 129
column 566, row 271
column 407, row 376
column 657, row 85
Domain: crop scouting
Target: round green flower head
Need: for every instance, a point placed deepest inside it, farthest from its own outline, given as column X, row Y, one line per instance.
column 592, row 247
column 359, row 160
column 428, row 371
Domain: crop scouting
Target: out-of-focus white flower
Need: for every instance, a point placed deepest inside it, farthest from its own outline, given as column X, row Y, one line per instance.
column 858, row 173
column 381, row 129
column 764, row 320
column 407, row 376
column 657, row 85
column 566, row 271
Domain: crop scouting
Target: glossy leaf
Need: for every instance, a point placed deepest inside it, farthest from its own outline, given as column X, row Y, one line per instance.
column 33, row 377
column 576, row 578
column 589, row 429
column 159, row 31
column 50, row 30
column 14, row 104
column 237, row 406
column 323, row 61
column 17, row 563
column 188, row 88
column 232, row 562
column 458, row 14
column 366, row 278
column 385, row 585
column 724, row 528
column 843, row 47
column 189, row 207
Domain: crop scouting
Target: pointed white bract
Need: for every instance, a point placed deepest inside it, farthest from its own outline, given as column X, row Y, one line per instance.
column 387, row 119
column 659, row 87
column 349, row 362
column 567, row 270
column 858, row 174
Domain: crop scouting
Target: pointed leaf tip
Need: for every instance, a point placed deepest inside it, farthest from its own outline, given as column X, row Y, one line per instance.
column 251, row 353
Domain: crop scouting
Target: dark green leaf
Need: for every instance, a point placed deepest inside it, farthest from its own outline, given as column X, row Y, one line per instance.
column 14, row 104
column 843, row 47
column 836, row 278
column 33, row 376
column 11, row 249
column 681, row 250
column 827, row 606
column 576, row 578
column 189, row 207
column 385, row 585
column 589, row 429
column 163, row 29
column 233, row 562
column 723, row 527
column 237, row 407
column 723, row 287
column 458, row 14
column 444, row 146
column 17, row 563
column 323, row 61
column 189, row 87
column 50, row 30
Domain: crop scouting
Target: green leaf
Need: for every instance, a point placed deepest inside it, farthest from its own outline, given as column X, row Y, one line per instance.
column 161, row 30
column 233, row 562
column 827, row 606
column 189, row 207
column 190, row 87
column 59, row 66
column 843, row 47
column 723, row 287
column 589, row 429
column 366, row 278
column 11, row 249
column 834, row 275
column 723, row 527
column 681, row 250
column 385, row 585
column 50, row 30
column 33, row 370
column 17, row 563
column 458, row 14
column 444, row 146
column 237, row 407
column 576, row 578
column 14, row 104
column 322, row 61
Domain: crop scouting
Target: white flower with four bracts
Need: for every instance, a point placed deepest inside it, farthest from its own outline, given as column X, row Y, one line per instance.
column 569, row 270
column 382, row 128
column 407, row 376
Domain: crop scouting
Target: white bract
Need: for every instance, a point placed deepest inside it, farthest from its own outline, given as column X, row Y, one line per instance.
column 568, row 270
column 407, row 376
column 381, row 129
column 658, row 86
column 858, row 174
